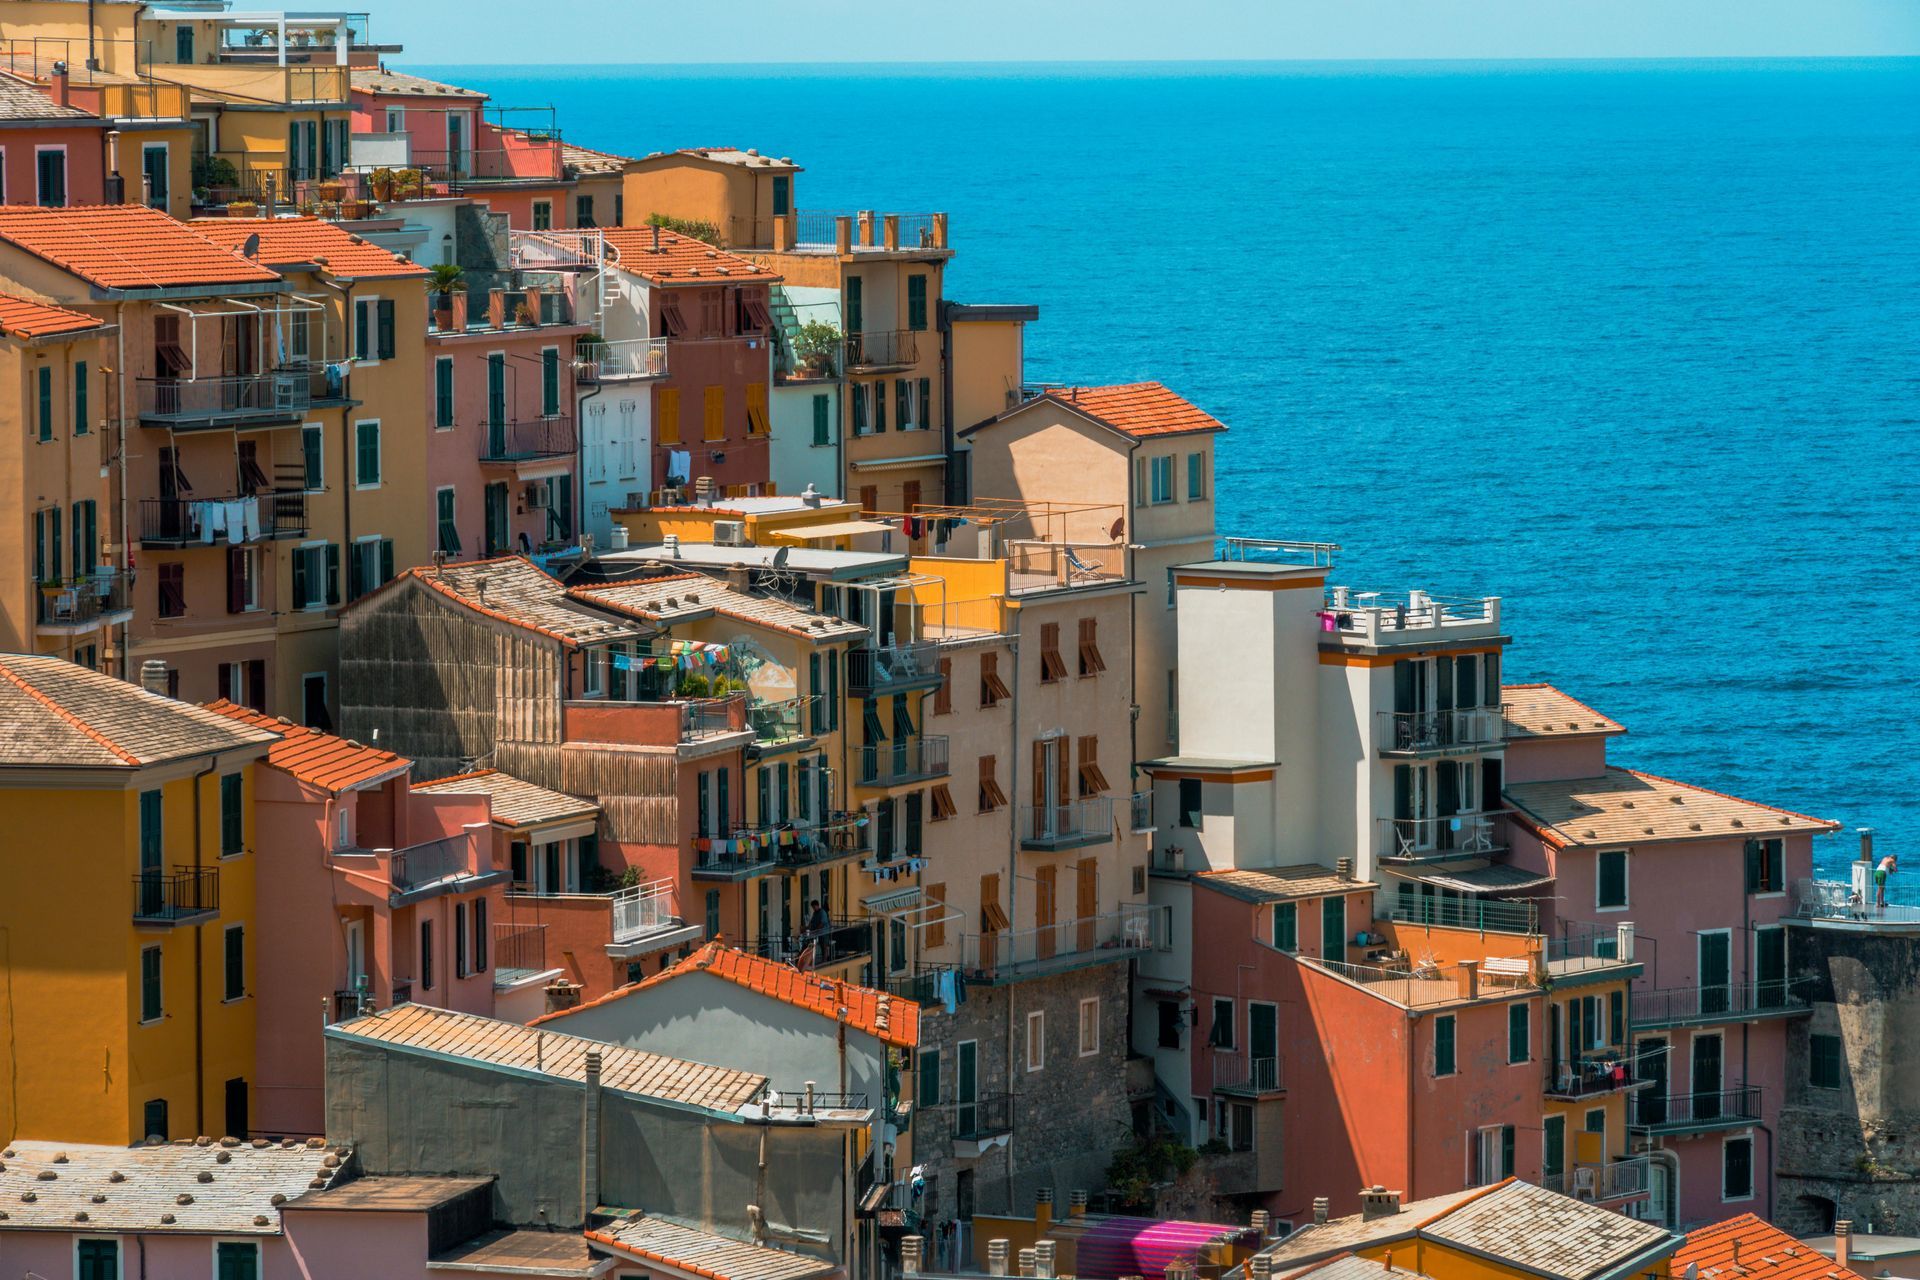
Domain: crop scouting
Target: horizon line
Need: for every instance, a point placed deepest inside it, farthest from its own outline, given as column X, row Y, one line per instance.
column 1308, row 60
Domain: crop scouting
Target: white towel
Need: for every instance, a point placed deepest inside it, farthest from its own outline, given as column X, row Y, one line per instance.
column 213, row 519
column 250, row 517
column 236, row 508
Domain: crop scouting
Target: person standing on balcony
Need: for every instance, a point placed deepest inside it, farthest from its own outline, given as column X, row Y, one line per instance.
column 1883, row 869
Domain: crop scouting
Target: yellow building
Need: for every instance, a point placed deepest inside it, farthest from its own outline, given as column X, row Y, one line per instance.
column 772, row 521
column 126, row 961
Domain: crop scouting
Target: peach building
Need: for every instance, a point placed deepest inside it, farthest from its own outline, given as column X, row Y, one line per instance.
column 52, row 152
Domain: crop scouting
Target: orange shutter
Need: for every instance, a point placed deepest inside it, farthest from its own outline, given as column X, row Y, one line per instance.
column 714, row 421
column 667, row 425
column 943, row 696
column 936, row 932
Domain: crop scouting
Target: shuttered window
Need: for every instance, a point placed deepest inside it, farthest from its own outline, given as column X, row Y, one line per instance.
column 1052, row 666
column 366, row 456
column 917, row 302
column 822, row 420
column 757, row 423
column 81, row 414
column 943, row 807
column 943, row 696
column 1092, row 781
column 991, row 796
column 1443, row 1045
column 1519, row 1033
column 668, row 425
column 713, row 419
column 992, row 690
column 1091, row 663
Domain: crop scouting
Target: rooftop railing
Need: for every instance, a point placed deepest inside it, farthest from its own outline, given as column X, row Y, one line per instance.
column 1484, row 915
column 1036, row 565
column 1065, row 826
column 1370, row 616
column 1613, row 1180
column 778, row 722
column 538, row 161
column 840, row 941
column 1720, row 1002
column 1410, row 988
column 1840, row 903
column 1460, row 729
column 644, row 909
column 1275, row 551
column 520, row 947
column 895, row 668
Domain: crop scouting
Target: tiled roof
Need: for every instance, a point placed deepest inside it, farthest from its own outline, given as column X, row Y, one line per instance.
column 1750, row 1248
column 290, row 242
column 515, row 803
column 397, row 1194
column 185, row 1188
column 25, row 318
column 746, row 158
column 1317, row 1242
column 555, row 1054
column 1547, row 1233
column 337, row 764
column 1542, row 711
column 679, row 259
column 526, row 1252
column 705, row 1254
column 688, row 597
column 1278, row 884
column 58, row 713
column 23, row 100
column 1138, row 409
column 125, row 246
column 514, row 590
column 400, row 84
column 1348, row 1266
column 890, row 1020
column 1623, row 806
column 579, row 159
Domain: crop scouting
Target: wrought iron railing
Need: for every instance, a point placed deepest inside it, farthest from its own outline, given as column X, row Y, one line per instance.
column 1611, row 1181
column 987, row 1116
column 1010, row 954
column 775, row 722
column 1489, row 915
column 1716, row 1002
column 1141, row 810
column 162, row 897
column 1456, row 835
column 907, row 758
column 520, row 946
column 882, row 349
column 1239, row 1073
column 528, row 439
column 176, row 401
column 241, row 519
column 1587, row 1077
column 1457, row 729
column 806, row 1102
column 841, row 940
column 1709, row 1108
column 78, row 602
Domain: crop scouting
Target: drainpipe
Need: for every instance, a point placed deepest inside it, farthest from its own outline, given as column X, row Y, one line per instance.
column 120, row 460
column 199, row 975
column 1768, row 1167
column 346, row 436
column 946, row 392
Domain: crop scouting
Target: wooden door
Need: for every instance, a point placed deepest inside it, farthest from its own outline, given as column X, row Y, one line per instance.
column 1045, row 906
column 1087, row 902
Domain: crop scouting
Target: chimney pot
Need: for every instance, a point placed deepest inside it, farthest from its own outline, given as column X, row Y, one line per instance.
column 1343, row 869
column 910, row 1255
column 1842, row 1241
column 996, row 1257
column 1320, row 1209
column 1043, row 1257
column 1260, row 1266
column 1378, row 1202
column 1260, row 1220
column 153, row 676
column 1866, row 844
column 1077, row 1203
column 1027, row 1262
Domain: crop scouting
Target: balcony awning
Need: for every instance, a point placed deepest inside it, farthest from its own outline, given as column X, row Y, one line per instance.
column 898, row 464
column 1489, row 879
column 838, row 529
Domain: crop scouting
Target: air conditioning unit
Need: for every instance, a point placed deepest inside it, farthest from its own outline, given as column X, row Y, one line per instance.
column 729, row 533
column 536, row 497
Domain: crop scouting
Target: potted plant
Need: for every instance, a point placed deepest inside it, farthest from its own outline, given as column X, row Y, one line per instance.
column 333, row 189
column 242, row 209
column 817, row 345
column 382, row 183
column 523, row 314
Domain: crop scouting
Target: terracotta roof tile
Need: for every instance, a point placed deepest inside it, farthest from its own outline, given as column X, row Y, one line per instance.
column 888, row 1019
column 514, row 590
column 125, row 246
column 679, row 259
column 1279, row 884
column 704, row 1254
column 288, row 242
column 579, row 160
column 1624, row 807
column 1764, row 1253
column 21, row 99
column 744, row 157
column 58, row 713
column 516, row 803
column 1542, row 711
column 337, row 764
column 1138, row 409
column 25, row 318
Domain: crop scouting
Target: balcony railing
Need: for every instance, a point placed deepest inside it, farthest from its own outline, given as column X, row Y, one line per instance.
column 1614, row 1180
column 625, row 360
column 420, row 865
column 1836, row 900
column 1486, row 915
column 1245, row 1076
column 893, row 669
column 1720, row 1002
column 644, row 909
column 702, row 717
column 182, row 896
column 1413, row 989
column 1066, row 826
column 539, row 161
column 239, row 520
column 1141, row 809
column 984, row 1117
column 841, row 941
column 224, row 401
column 736, row 860
column 1709, row 1109
column 1462, row 729
column 785, row 721
column 83, row 602
column 520, row 948
column 528, row 440
column 924, row 984
column 874, row 350
column 1010, row 955
column 1458, row 835
column 911, row 758
column 1587, row 1077
column 807, row 1102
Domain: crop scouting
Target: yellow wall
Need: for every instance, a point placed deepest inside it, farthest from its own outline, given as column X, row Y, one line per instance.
column 1441, row 1262
column 738, row 201
column 28, row 21
column 974, row 597
column 987, row 364
column 127, row 162
column 648, row 527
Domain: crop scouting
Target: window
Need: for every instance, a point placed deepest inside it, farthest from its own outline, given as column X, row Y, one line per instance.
column 943, row 695
column 859, row 407
column 992, row 691
column 443, row 393
column 426, row 955
column 1492, row 1155
column 363, row 329
column 917, row 301
column 926, row 404
column 991, row 797
column 1091, row 663
column 396, row 120
column 822, row 420
column 45, row 379
column 1736, row 1169
column 172, row 581
column 1089, row 1026
column 96, row 1259
column 1519, row 1033
column 1767, row 866
column 1161, row 472
column 1196, row 477
column 232, row 816
column 713, row 409
column 86, row 538
column 713, row 914
column 1190, row 792
column 543, row 215
column 50, row 164
column 1220, row 1032
column 929, row 1068
column 1823, row 1069
column 1172, row 1023
column 234, row 949
column 151, row 1007
column 943, row 806
column 879, row 391
column 1443, row 1047
column 312, row 456
column 236, row 1260
column 856, row 289
column 384, row 333
column 1286, row 926
column 550, row 381
column 1553, row 1147
column 1092, row 781
column 782, row 195
column 1036, row 1040
column 316, row 575
column 366, row 455
column 583, row 211
column 480, row 921
column 460, row 969
column 449, row 536
column 1611, row 880
column 1052, row 666
column 757, row 422
column 371, row 566
column 82, row 415
column 153, row 173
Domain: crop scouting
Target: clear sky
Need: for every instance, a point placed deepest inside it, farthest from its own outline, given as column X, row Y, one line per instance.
column 695, row 31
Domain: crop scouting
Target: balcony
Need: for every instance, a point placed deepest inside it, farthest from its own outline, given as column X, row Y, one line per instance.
column 255, row 83
column 1705, row 1005
column 1066, row 826
column 1572, row 1079
column 982, row 1124
column 1599, row 1183
column 1141, row 809
column 434, row 867
column 527, row 159
column 187, row 522
column 1014, row 955
column 814, row 1102
column 1835, row 904
column 1374, row 618
column 780, row 725
column 843, row 940
column 838, row 835
column 1453, row 838
column 188, row 404
column 528, row 440
column 1484, row 915
column 1424, row 988
column 847, row 231
column 898, row 668
column 75, row 605
column 184, row 896
column 627, row 360
column 1703, row 1112
column 519, row 953
column 882, row 351
column 910, row 758
column 1460, row 731
column 645, row 921
column 1243, row 1076
column 923, row 985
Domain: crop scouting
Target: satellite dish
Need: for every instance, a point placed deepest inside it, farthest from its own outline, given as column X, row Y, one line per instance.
column 251, row 249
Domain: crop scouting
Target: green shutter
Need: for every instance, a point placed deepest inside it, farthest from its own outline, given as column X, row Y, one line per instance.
column 822, row 408
column 902, row 402
column 310, row 443
column 385, row 311
column 367, row 463
column 46, row 402
column 550, row 382
column 81, row 413
column 926, row 404
column 232, row 821
column 386, row 561
column 333, row 573
column 443, row 392
column 916, row 302
column 1286, row 926
column 237, row 1261
column 1443, row 1058
column 361, row 337
column 236, row 962
column 1519, row 1037
column 929, row 1078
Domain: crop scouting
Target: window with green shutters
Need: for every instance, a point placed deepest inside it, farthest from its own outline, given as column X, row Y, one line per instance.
column 822, row 426
column 443, row 392
column 1553, row 1154
column 859, row 392
column 926, row 404
column 1519, row 1033
column 232, row 817
column 1286, row 926
column 384, row 311
column 312, row 440
column 1736, row 1169
column 362, row 329
column 236, row 1260
column 854, row 299
column 1444, row 1063
column 151, row 831
column 52, row 164
column 449, row 531
column 152, row 1008
column 903, row 403
column 550, row 381
column 82, row 414
column 235, row 956
column 86, row 538
column 782, row 195
column 929, row 1078
column 1611, row 874
column 366, row 455
column 1333, row 928
column 916, row 302
column 46, row 402
column 1823, row 1071
column 96, row 1260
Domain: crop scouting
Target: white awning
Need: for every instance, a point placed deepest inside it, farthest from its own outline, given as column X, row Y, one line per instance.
column 838, row 529
column 897, row 464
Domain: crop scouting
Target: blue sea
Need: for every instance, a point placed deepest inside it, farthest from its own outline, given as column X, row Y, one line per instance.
column 1634, row 346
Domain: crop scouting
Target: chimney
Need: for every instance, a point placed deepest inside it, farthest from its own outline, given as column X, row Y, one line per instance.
column 740, row 578
column 57, row 86
column 1736, row 1251
column 1866, row 844
column 153, row 676
column 1378, row 1202
column 1261, row 1219
column 590, row 1136
column 1843, row 1234
column 843, row 234
column 656, row 237
column 1320, row 1207
column 1343, row 869
column 1077, row 1204
column 1043, row 1256
column 1387, row 1262
column 1260, row 1266
column 1028, row 1262
column 890, row 230
column 783, row 232
column 1623, row 941
column 1469, row 979
column 1042, row 1210
column 672, row 544
column 996, row 1257
column 910, row 1255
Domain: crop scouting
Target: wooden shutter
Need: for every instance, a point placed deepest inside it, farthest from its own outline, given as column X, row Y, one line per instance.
column 1092, row 780
column 1039, row 793
column 672, row 322
column 992, row 689
column 936, row 931
column 757, row 409
column 714, row 413
column 1052, row 667
column 1046, row 896
column 667, row 428
column 236, row 579
column 1091, row 663
column 993, row 916
column 869, row 499
column 943, row 696
column 1086, row 902
column 991, row 797
column 943, row 807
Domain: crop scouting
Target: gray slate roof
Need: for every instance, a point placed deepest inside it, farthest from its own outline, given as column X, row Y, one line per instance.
column 715, row 1255
column 141, row 1188
column 55, row 713
column 21, row 100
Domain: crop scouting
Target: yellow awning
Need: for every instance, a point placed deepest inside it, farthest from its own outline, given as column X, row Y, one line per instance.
column 838, row 529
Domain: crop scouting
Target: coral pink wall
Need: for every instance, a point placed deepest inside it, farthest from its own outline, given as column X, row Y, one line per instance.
column 86, row 163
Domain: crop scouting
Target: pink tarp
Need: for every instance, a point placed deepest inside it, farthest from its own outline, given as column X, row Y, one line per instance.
column 1113, row 1247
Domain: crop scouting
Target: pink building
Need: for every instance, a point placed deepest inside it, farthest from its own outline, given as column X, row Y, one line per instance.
column 51, row 154
column 371, row 896
column 1705, row 878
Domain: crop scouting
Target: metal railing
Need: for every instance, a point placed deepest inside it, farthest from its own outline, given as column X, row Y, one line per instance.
column 1599, row 944
column 262, row 517
column 1141, row 810
column 1410, row 988
column 1610, row 1181
column 539, row 161
column 520, row 946
column 348, row 1005
column 839, row 834
column 905, row 759
column 1060, row 826
column 1457, row 835
column 1484, row 915
column 1011, row 954
column 526, row 440
column 842, row 940
column 806, row 1102
column 1839, row 900
column 739, row 860
column 922, row 986
column 1039, row 565
column 1702, row 1110
column 1718, row 1002
column 1305, row 555
column 80, row 602
column 987, row 1116
column 891, row 668
column 1457, row 729
column 232, row 398
column 622, row 360
column 1587, row 1077
column 882, row 349
column 1241, row 1074
column 644, row 909
column 162, row 897
column 1371, row 612
column 432, row 861
column 702, row 716
column 783, row 721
